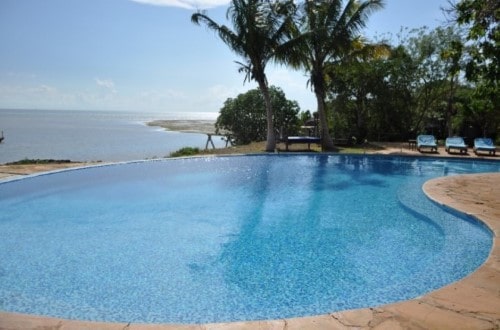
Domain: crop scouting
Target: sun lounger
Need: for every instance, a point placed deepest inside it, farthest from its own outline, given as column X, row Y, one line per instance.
column 457, row 143
column 484, row 144
column 426, row 141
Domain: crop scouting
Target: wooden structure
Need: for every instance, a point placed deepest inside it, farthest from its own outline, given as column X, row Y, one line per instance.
column 301, row 139
column 226, row 137
column 309, row 136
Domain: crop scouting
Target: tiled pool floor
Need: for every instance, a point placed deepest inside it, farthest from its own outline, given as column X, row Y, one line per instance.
column 472, row 303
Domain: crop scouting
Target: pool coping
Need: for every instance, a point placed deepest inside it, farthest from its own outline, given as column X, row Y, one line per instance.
column 473, row 302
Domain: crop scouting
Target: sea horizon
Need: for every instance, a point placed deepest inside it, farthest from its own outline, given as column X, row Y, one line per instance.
column 94, row 135
column 173, row 115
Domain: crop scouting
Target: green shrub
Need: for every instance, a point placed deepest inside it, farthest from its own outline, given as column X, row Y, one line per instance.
column 27, row 161
column 246, row 118
column 186, row 151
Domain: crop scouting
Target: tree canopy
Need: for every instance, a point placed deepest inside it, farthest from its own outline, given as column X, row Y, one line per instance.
column 442, row 81
column 245, row 115
column 483, row 35
column 325, row 31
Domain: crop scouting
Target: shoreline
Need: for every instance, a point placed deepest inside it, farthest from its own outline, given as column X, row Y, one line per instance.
column 99, row 136
column 202, row 126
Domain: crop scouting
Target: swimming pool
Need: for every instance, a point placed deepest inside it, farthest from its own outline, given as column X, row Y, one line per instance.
column 231, row 238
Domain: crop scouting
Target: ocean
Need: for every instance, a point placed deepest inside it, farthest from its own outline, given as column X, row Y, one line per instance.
column 94, row 135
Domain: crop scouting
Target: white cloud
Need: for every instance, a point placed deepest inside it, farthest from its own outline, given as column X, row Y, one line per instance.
column 45, row 89
column 213, row 97
column 34, row 97
column 205, row 99
column 107, row 83
column 163, row 97
column 221, row 93
column 186, row 4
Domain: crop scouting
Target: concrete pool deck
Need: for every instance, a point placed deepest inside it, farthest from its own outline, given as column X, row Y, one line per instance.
column 471, row 303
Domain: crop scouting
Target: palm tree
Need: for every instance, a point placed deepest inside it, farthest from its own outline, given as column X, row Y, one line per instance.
column 325, row 32
column 259, row 28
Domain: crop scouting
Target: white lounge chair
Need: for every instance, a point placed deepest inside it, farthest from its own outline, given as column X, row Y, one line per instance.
column 484, row 144
column 455, row 142
column 426, row 141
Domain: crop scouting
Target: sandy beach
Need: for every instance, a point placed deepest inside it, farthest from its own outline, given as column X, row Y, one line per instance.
column 187, row 126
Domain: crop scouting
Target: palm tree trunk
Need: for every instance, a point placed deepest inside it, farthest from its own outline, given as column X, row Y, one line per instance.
column 326, row 140
column 271, row 136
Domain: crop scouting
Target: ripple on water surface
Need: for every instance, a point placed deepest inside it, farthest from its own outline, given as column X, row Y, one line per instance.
column 231, row 238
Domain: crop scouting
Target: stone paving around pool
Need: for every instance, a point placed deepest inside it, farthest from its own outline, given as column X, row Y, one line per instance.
column 472, row 303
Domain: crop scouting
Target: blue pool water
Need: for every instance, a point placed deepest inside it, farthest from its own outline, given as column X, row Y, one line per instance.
column 231, row 238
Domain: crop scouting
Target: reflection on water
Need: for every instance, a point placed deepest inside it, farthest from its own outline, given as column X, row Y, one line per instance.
column 214, row 239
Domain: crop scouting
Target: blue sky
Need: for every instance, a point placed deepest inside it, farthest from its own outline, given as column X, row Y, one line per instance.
column 142, row 55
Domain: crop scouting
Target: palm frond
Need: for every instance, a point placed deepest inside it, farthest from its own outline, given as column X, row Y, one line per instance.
column 359, row 13
column 228, row 36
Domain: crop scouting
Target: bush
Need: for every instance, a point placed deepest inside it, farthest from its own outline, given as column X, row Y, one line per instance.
column 27, row 161
column 245, row 116
column 187, row 151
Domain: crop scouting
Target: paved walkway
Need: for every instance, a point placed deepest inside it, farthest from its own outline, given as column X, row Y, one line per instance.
column 472, row 303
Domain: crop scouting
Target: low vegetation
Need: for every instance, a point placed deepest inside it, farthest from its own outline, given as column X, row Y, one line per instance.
column 259, row 147
column 27, row 161
column 187, row 151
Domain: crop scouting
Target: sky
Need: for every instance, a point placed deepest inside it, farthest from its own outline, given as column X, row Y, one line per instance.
column 144, row 55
